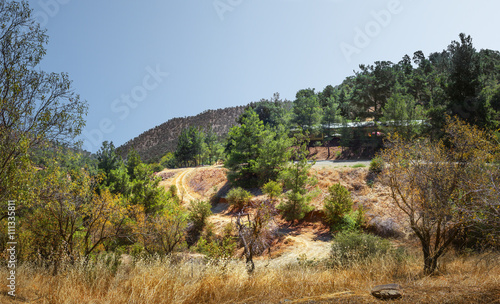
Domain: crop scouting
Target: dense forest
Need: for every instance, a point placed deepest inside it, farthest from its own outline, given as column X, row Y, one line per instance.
column 411, row 97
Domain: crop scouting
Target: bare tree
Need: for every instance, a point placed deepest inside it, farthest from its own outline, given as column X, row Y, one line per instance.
column 443, row 187
column 255, row 230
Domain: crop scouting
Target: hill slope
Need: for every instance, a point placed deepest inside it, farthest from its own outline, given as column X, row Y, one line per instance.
column 156, row 142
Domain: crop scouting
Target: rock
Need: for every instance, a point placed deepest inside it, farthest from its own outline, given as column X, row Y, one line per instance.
column 387, row 292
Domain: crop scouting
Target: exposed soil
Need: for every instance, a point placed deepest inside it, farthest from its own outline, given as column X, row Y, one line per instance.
column 309, row 239
column 338, row 153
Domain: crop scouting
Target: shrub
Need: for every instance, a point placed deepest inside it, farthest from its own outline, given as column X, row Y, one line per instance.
column 351, row 248
column 272, row 189
column 358, row 166
column 238, row 197
column 199, row 211
column 376, row 165
column 156, row 167
column 217, row 247
column 337, row 204
column 352, row 221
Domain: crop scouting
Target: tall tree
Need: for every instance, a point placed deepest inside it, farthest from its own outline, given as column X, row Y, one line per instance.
column 402, row 114
column 107, row 157
column 255, row 152
column 463, row 86
column 331, row 115
column 35, row 106
column 373, row 86
column 307, row 109
column 190, row 146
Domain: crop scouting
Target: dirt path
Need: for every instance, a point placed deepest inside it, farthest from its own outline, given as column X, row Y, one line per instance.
column 340, row 163
column 183, row 190
column 306, row 246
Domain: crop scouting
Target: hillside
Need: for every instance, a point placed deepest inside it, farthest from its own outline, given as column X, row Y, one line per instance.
column 154, row 143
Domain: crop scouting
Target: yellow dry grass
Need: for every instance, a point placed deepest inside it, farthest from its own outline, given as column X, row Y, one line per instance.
column 463, row 280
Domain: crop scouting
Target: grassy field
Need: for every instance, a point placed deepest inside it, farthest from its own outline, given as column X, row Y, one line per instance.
column 462, row 279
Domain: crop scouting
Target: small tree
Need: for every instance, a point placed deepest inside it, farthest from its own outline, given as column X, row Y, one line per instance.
column 272, row 189
column 199, row 211
column 337, row 204
column 238, row 197
column 298, row 183
column 443, row 187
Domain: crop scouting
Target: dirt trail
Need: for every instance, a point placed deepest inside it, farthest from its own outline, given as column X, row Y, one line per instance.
column 303, row 244
column 183, row 190
column 306, row 245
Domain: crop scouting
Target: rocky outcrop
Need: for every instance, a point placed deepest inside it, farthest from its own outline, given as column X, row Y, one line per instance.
column 387, row 292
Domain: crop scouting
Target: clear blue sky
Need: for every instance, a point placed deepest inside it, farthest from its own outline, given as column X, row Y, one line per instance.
column 140, row 63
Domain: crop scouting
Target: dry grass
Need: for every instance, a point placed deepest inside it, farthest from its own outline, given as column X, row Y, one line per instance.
column 463, row 280
column 380, row 212
column 203, row 180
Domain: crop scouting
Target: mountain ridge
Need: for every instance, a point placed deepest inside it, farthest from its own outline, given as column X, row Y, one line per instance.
column 156, row 142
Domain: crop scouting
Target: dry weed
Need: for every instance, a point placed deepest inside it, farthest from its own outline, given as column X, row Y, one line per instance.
column 463, row 280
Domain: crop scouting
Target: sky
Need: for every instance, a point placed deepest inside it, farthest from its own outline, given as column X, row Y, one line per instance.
column 141, row 63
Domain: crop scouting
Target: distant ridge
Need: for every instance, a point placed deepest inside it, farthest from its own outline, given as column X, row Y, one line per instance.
column 156, row 142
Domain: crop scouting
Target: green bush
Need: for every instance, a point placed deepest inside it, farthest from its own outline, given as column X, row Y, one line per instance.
column 376, row 164
column 352, row 221
column 238, row 197
column 272, row 189
column 337, row 204
column 199, row 211
column 352, row 247
column 217, row 247
column 358, row 166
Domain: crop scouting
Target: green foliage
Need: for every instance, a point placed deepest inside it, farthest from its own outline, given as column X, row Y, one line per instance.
column 67, row 219
column 107, row 158
column 376, row 164
column 145, row 190
column 307, row 110
column 401, row 113
column 350, row 248
column 352, row 221
column 331, row 114
column 190, row 146
column 133, row 162
column 199, row 211
column 273, row 112
column 37, row 107
column 155, row 167
column 256, row 153
column 214, row 150
column 337, row 204
column 295, row 178
column 118, row 181
column 373, row 85
column 218, row 247
column 272, row 189
column 168, row 161
column 358, row 166
column 238, row 197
